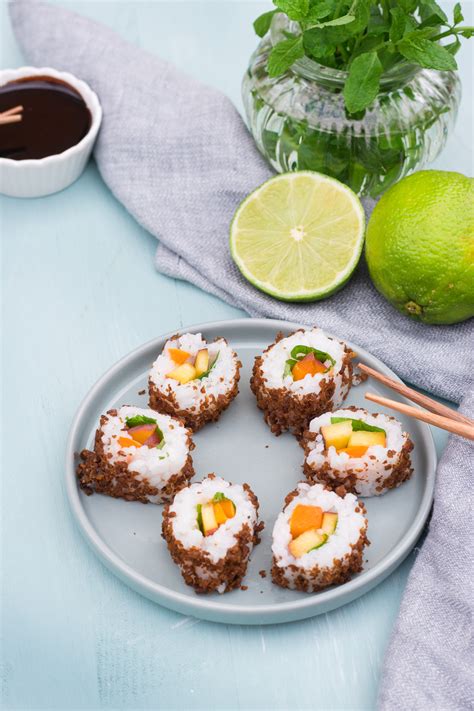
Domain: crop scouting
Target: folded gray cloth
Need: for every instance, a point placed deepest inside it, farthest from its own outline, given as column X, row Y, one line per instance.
column 429, row 663
column 182, row 162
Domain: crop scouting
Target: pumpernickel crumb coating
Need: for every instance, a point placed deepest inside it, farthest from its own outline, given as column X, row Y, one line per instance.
column 96, row 473
column 196, row 564
column 285, row 410
column 211, row 408
column 316, row 579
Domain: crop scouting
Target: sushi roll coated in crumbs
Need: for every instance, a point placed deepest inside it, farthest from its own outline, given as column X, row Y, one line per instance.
column 139, row 455
column 354, row 450
column 193, row 379
column 299, row 377
column 211, row 528
column 318, row 539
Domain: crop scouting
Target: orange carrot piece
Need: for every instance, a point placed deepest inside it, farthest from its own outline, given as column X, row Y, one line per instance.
column 178, row 356
column 228, row 507
column 357, row 450
column 127, row 442
column 305, row 517
column 219, row 514
column 309, row 365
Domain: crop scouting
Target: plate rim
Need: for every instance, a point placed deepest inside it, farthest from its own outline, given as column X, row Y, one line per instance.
column 211, row 609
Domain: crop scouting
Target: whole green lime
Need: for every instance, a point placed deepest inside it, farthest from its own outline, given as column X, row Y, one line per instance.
column 420, row 246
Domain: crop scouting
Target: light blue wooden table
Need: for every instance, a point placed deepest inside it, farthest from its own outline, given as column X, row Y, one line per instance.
column 73, row 636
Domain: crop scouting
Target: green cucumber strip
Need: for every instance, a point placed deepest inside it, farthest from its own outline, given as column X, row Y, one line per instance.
column 199, row 518
column 357, row 425
column 299, row 352
column 162, row 438
column 289, row 367
column 204, row 375
column 315, row 548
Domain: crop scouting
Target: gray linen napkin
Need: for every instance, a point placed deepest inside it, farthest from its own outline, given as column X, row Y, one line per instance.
column 181, row 164
column 429, row 662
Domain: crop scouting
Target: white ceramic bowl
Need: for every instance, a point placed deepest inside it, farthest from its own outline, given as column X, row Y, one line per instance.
column 43, row 176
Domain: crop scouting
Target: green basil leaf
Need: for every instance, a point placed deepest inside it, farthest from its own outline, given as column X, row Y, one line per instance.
column 199, row 518
column 299, row 352
column 139, row 420
column 363, row 81
column 263, row 22
column 295, row 9
column 458, row 16
column 357, row 425
column 204, row 375
column 284, row 55
column 426, row 53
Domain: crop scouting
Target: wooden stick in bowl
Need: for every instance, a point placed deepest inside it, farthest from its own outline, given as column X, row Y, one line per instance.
column 445, row 423
column 415, row 396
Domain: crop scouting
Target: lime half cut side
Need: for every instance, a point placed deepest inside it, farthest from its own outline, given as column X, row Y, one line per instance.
column 298, row 236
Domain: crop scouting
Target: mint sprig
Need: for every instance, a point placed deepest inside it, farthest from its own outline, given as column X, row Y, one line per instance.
column 137, row 420
column 365, row 38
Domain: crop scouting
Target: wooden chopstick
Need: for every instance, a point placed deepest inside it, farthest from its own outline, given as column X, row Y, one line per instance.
column 415, row 396
column 10, row 119
column 445, row 423
column 14, row 110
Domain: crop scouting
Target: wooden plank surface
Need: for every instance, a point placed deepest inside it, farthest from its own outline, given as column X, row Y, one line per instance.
column 73, row 264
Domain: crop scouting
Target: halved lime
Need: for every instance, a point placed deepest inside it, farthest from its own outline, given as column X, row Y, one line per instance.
column 298, row 236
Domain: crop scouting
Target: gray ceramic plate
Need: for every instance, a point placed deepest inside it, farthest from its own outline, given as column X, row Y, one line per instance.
column 126, row 536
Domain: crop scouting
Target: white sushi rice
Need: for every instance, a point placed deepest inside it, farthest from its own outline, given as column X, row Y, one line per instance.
column 273, row 364
column 191, row 396
column 374, row 465
column 349, row 524
column 155, row 465
column 185, row 525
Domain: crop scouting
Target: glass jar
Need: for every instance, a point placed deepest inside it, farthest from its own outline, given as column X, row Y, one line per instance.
column 299, row 121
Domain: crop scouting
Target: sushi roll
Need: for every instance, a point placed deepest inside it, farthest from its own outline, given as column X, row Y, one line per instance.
column 318, row 539
column 193, row 379
column 354, row 450
column 211, row 528
column 139, row 455
column 299, row 377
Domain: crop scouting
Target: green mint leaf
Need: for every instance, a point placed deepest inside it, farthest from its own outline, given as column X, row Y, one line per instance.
column 199, row 518
column 344, row 20
column 284, row 55
column 295, row 9
column 139, row 420
column 317, row 11
column 454, row 47
column 218, row 496
column 426, row 53
column 299, row 352
column 467, row 33
column 398, row 26
column 357, row 425
column 263, row 22
column 457, row 14
column 204, row 375
column 408, row 6
column 363, row 81
column 430, row 8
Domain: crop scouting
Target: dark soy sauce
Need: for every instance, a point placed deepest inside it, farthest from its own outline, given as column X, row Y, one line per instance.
column 54, row 118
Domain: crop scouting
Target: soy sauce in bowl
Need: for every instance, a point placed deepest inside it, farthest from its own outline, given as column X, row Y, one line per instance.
column 55, row 117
